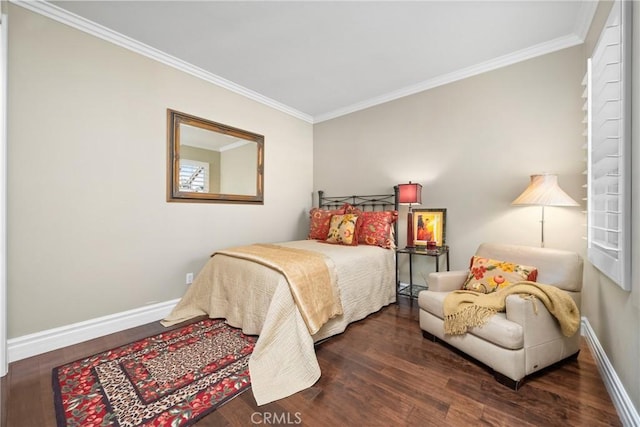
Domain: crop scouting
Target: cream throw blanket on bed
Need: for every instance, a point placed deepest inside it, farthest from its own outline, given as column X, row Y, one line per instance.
column 466, row 309
column 313, row 291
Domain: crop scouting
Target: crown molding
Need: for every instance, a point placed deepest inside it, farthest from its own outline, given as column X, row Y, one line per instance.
column 585, row 18
column 65, row 17
column 490, row 65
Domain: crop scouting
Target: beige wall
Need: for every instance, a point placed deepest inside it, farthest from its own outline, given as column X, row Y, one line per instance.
column 90, row 232
column 613, row 313
column 472, row 144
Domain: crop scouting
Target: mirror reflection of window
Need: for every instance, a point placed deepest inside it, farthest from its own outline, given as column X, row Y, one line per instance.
column 203, row 156
column 194, row 176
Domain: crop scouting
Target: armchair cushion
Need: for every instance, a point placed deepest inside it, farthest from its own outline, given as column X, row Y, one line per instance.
column 498, row 329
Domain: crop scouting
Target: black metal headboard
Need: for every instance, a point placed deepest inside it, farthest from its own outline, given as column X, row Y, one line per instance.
column 380, row 202
column 376, row 202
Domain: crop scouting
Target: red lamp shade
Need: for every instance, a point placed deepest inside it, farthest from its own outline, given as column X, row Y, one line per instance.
column 410, row 193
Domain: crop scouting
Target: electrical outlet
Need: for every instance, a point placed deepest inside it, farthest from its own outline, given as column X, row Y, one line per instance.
column 189, row 279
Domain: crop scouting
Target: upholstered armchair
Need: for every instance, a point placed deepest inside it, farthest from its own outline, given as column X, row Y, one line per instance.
column 526, row 337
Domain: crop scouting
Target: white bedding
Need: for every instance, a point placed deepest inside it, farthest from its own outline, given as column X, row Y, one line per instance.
column 257, row 299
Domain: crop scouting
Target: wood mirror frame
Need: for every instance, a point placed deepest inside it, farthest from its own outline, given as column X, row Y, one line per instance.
column 218, row 163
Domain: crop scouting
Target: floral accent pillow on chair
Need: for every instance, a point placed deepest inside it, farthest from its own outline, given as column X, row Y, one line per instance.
column 489, row 275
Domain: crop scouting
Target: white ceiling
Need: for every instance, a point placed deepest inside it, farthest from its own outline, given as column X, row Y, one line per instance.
column 322, row 59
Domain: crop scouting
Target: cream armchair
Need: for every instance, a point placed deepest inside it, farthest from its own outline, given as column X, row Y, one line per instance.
column 525, row 338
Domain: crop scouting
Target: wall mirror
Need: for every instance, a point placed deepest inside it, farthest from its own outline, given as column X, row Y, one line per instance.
column 211, row 162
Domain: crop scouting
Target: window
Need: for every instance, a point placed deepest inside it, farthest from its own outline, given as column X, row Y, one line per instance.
column 609, row 145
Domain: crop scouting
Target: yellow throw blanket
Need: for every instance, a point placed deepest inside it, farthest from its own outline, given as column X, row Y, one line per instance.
column 466, row 309
column 315, row 294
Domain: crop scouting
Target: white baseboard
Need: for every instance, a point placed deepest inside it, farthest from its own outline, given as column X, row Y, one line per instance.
column 52, row 339
column 626, row 410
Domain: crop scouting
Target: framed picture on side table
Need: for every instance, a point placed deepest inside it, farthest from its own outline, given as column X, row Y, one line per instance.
column 429, row 227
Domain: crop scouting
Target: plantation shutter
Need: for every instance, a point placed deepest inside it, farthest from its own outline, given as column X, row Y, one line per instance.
column 608, row 173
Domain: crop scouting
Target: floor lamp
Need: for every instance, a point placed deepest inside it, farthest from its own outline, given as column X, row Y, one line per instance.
column 409, row 194
column 543, row 190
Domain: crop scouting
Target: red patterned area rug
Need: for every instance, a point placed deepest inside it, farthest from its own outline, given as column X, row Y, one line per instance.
column 171, row 379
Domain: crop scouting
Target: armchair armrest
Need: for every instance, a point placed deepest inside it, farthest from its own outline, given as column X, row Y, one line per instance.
column 538, row 324
column 446, row 281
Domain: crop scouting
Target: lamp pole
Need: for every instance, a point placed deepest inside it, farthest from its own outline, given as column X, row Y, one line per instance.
column 542, row 229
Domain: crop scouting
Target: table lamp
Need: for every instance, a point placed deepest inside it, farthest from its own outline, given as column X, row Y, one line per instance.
column 409, row 194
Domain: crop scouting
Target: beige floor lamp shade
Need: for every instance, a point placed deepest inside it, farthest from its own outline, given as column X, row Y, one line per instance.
column 543, row 190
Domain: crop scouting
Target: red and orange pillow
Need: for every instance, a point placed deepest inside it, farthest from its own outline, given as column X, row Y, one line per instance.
column 489, row 275
column 376, row 228
column 320, row 222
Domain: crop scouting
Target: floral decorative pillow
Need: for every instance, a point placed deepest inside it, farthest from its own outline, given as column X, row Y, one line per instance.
column 343, row 230
column 320, row 221
column 376, row 228
column 489, row 275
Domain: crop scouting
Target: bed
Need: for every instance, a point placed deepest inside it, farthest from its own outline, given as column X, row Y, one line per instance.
column 259, row 299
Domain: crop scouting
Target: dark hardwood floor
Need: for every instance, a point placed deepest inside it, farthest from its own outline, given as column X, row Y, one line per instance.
column 380, row 372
